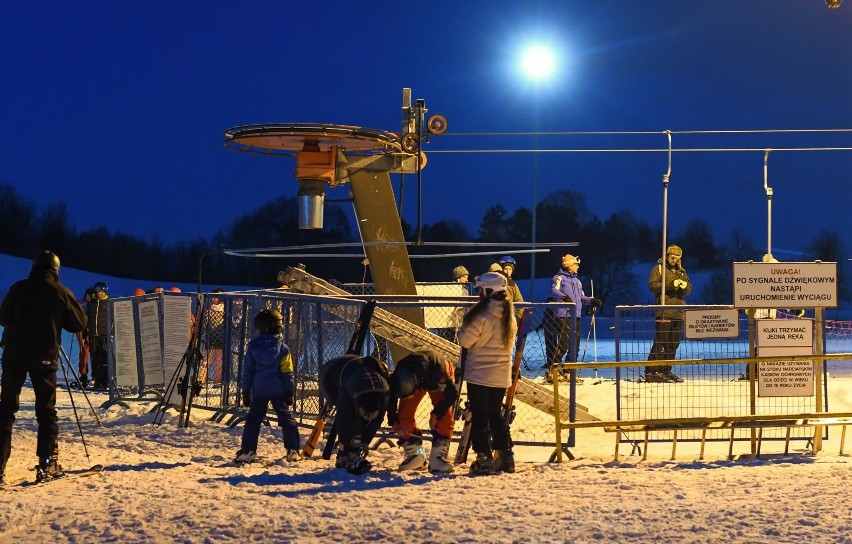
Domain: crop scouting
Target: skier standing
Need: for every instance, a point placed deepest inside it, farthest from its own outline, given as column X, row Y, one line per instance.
column 488, row 332
column 268, row 379
column 33, row 314
column 566, row 287
column 358, row 387
column 414, row 376
column 96, row 309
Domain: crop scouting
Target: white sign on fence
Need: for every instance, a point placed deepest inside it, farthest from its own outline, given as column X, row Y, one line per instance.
column 776, row 337
column 126, row 374
column 785, row 285
column 722, row 323
column 149, row 336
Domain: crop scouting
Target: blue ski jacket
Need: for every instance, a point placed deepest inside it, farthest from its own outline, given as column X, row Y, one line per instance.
column 268, row 368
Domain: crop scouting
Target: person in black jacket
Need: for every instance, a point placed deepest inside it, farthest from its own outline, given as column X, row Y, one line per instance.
column 33, row 314
column 358, row 387
column 96, row 310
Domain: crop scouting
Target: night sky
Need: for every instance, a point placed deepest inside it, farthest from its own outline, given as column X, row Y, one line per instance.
column 119, row 108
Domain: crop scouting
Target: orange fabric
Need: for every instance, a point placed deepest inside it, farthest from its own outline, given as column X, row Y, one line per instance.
column 408, row 409
column 83, row 363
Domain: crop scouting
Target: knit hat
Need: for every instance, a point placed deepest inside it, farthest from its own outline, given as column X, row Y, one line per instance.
column 460, row 271
column 768, row 258
column 495, row 267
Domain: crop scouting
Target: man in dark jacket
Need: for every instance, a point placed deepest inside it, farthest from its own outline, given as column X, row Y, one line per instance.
column 33, row 314
column 96, row 310
column 669, row 322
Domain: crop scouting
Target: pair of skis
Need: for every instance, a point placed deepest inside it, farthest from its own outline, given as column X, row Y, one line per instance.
column 356, row 345
column 509, row 403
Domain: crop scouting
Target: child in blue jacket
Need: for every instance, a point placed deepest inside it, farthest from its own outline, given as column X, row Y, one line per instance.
column 268, row 378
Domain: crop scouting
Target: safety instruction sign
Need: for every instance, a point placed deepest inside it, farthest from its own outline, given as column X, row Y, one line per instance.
column 785, row 285
column 722, row 323
column 776, row 337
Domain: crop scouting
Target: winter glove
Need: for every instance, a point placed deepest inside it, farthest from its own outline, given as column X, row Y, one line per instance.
column 246, row 398
column 433, row 421
column 289, row 398
column 680, row 284
column 800, row 312
column 595, row 303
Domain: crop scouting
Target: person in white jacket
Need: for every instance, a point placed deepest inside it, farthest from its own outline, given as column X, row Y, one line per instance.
column 488, row 333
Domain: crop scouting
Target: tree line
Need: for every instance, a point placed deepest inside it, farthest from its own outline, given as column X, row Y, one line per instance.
column 608, row 247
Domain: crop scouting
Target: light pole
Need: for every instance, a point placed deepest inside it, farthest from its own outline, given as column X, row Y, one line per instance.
column 537, row 64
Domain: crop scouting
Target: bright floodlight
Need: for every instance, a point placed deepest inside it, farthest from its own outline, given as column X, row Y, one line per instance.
column 538, row 62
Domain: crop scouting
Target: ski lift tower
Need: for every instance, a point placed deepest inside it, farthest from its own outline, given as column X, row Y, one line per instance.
column 334, row 155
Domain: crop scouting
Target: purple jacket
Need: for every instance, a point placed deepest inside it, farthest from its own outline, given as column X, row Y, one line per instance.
column 566, row 287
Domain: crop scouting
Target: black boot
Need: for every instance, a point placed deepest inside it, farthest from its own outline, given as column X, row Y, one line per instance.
column 49, row 468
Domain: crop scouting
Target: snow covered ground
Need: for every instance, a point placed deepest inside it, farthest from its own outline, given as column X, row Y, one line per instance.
column 169, row 484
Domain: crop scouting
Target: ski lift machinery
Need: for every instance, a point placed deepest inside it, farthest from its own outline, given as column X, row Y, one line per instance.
column 333, row 155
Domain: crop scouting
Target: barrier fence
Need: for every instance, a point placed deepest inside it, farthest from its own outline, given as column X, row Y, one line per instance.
column 149, row 336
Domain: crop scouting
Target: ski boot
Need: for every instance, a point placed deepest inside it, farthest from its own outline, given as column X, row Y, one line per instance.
column 244, row 457
column 504, row 460
column 438, row 455
column 415, row 459
column 484, row 464
column 293, row 456
column 48, row 469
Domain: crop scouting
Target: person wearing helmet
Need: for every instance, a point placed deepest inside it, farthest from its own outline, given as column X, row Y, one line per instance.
column 33, row 314
column 488, row 333
column 566, row 287
column 96, row 310
column 507, row 265
column 414, row 376
column 268, row 379
column 358, row 387
column 668, row 325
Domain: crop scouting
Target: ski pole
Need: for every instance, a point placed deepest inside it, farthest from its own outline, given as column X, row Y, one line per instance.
column 77, row 378
column 74, row 409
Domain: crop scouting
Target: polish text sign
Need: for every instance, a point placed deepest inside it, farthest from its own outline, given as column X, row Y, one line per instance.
column 785, row 285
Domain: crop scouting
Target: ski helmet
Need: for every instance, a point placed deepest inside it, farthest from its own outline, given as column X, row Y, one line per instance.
column 47, row 259
column 268, row 321
column 491, row 282
column 370, row 404
column 507, row 260
column 404, row 381
column 100, row 286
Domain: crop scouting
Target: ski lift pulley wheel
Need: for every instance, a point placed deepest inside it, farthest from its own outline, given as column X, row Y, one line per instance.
column 410, row 142
column 281, row 138
column 437, row 124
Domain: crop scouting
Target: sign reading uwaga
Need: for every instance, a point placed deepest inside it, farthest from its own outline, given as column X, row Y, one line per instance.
column 785, row 285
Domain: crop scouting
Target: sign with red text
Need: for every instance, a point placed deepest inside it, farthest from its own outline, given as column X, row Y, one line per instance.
column 785, row 285
column 776, row 337
column 722, row 323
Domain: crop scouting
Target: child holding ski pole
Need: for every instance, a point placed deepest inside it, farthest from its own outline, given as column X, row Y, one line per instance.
column 268, row 378
column 488, row 332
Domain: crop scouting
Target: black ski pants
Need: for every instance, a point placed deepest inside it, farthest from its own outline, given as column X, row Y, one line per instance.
column 487, row 426
column 667, row 333
column 43, row 377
